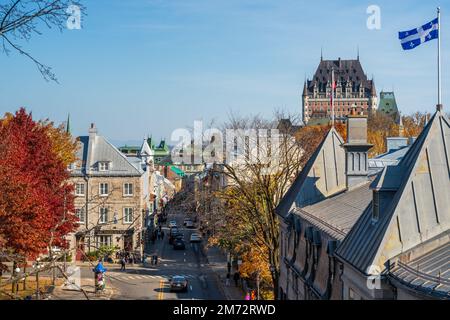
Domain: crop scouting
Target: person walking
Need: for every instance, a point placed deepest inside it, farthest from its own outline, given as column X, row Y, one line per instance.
column 123, row 264
column 227, row 281
column 236, row 278
column 229, row 267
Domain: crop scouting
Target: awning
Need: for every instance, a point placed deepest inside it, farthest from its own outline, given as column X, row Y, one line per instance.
column 177, row 170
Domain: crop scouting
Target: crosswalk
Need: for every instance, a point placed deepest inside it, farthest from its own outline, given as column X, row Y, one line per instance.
column 141, row 277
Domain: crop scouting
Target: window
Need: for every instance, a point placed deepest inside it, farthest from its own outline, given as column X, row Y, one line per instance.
column 128, row 215
column 104, row 189
column 104, row 241
column 128, row 189
column 103, row 166
column 79, row 189
column 103, row 215
column 79, row 212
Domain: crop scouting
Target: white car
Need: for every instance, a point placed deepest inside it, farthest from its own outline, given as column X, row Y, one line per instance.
column 172, row 224
column 196, row 237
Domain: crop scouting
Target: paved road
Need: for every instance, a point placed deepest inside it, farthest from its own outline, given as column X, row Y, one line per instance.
column 152, row 282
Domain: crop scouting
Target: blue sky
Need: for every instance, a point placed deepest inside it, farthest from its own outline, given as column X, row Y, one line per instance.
column 142, row 67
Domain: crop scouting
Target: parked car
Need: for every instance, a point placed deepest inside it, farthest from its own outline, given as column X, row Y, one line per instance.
column 179, row 283
column 186, row 221
column 178, row 244
column 173, row 231
column 196, row 237
column 172, row 223
column 190, row 224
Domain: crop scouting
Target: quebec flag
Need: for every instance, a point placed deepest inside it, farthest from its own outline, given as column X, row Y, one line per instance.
column 413, row 38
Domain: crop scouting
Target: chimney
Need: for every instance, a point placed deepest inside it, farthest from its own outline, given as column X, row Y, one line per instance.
column 92, row 131
column 356, row 150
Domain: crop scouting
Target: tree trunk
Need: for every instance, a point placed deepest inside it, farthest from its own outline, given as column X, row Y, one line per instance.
column 13, row 274
column 275, row 264
column 25, row 279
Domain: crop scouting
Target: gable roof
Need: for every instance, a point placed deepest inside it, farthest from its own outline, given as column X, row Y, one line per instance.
column 94, row 149
column 322, row 176
column 337, row 214
column 419, row 209
column 344, row 70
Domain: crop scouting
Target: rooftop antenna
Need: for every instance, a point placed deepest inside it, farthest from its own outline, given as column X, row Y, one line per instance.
column 357, row 53
column 321, row 54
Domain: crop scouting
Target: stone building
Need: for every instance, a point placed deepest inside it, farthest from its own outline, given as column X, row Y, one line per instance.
column 353, row 89
column 400, row 246
column 349, row 232
column 318, row 211
column 112, row 196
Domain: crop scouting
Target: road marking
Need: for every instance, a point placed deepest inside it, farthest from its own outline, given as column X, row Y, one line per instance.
column 161, row 288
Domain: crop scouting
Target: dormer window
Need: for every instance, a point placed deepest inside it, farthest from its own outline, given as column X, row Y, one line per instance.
column 103, row 166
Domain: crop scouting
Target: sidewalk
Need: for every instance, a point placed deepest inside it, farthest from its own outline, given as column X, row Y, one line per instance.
column 218, row 263
column 61, row 293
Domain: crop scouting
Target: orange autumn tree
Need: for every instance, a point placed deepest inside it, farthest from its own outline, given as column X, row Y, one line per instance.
column 36, row 201
column 249, row 224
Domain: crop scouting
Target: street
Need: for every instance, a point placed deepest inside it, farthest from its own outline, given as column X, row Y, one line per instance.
column 152, row 282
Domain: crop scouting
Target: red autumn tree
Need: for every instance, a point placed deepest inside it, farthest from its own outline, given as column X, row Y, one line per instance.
column 36, row 199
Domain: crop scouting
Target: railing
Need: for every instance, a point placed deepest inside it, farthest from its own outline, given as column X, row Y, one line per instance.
column 421, row 275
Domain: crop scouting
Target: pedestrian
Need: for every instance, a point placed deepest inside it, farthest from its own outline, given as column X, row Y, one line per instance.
column 156, row 259
column 123, row 264
column 236, row 278
column 162, row 235
column 229, row 267
column 227, row 282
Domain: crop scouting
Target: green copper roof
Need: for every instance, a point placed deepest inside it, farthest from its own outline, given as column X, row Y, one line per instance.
column 387, row 103
column 177, row 170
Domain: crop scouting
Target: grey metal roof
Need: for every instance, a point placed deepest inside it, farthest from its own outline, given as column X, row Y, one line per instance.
column 429, row 273
column 94, row 149
column 418, row 211
column 345, row 70
column 393, row 157
column 322, row 176
column 337, row 214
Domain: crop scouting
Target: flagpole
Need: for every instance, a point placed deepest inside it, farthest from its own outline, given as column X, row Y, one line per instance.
column 332, row 97
column 439, row 105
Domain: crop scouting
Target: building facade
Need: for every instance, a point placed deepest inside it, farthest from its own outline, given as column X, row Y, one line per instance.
column 353, row 90
column 111, row 197
column 349, row 230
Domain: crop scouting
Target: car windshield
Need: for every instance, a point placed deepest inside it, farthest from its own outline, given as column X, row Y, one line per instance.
column 178, row 279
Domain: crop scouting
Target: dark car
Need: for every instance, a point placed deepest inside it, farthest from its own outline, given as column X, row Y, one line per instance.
column 178, row 244
column 179, row 283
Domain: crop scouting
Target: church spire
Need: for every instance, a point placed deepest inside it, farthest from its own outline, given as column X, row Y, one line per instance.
column 68, row 124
